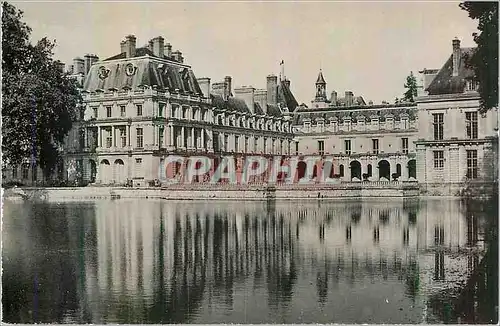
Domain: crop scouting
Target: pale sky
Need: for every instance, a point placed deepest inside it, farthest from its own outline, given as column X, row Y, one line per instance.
column 365, row 47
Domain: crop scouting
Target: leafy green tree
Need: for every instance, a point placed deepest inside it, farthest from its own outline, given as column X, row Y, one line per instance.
column 411, row 86
column 484, row 61
column 39, row 100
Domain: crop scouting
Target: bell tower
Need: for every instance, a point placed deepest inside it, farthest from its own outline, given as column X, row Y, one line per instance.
column 320, row 88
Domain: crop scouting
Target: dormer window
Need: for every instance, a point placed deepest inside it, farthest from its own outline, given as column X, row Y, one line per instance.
column 471, row 85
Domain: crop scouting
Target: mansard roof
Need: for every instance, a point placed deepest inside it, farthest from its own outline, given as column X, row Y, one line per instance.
column 139, row 72
column 285, row 96
column 445, row 82
column 381, row 111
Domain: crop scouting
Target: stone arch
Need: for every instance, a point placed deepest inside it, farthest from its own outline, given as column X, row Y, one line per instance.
column 105, row 171
column 355, row 167
column 119, row 175
column 412, row 169
column 301, row 170
column 384, row 169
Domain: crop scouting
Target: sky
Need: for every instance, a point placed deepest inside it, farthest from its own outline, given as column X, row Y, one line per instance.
column 365, row 47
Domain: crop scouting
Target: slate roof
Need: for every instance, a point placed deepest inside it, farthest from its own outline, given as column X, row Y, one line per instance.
column 321, row 79
column 445, row 82
column 382, row 113
column 285, row 96
column 169, row 76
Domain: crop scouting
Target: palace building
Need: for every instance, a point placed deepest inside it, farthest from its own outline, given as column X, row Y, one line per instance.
column 455, row 141
column 368, row 142
column 145, row 103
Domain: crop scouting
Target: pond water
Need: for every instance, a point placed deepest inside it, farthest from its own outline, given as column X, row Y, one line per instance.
column 133, row 261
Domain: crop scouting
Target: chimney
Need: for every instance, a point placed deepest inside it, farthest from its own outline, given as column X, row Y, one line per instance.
column 333, row 99
column 71, row 69
column 260, row 96
column 272, row 89
column 123, row 46
column 78, row 66
column 205, row 86
column 93, row 59
column 130, row 42
column 348, row 98
column 60, row 66
column 158, row 46
column 87, row 63
column 150, row 45
column 177, row 56
column 456, row 56
column 246, row 94
column 227, row 86
column 168, row 50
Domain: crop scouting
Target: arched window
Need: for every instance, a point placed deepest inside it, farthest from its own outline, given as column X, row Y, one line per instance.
column 341, row 170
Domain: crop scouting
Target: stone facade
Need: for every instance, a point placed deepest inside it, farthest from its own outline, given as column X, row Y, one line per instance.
column 370, row 142
column 145, row 103
column 456, row 143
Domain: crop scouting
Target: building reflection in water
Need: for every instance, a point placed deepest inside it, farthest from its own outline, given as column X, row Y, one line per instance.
column 169, row 262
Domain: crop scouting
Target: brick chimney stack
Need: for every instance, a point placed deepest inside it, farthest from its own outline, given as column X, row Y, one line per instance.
column 177, row 56
column 228, row 86
column 168, row 50
column 272, row 89
column 130, row 46
column 78, row 66
column 456, row 56
column 349, row 98
column 333, row 98
column 158, row 46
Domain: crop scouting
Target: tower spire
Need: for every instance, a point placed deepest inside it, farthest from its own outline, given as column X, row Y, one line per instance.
column 282, row 71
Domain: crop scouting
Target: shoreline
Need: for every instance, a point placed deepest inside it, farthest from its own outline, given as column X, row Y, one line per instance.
column 229, row 193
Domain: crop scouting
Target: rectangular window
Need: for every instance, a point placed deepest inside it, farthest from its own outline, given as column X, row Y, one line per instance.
column 138, row 167
column 109, row 138
column 347, row 146
column 472, row 164
column 471, row 124
column 226, row 141
column 160, row 136
column 273, row 146
column 375, row 146
column 81, row 138
column 216, row 144
column 265, row 144
column 439, row 160
column 96, row 112
column 438, row 125
column 255, row 143
column 108, row 112
column 122, row 111
column 321, row 147
column 296, row 148
column 139, row 137
column 123, row 137
column 82, row 113
column 25, row 168
column 139, row 110
column 236, row 143
column 246, row 144
column 161, row 108
column 14, row 172
column 404, row 145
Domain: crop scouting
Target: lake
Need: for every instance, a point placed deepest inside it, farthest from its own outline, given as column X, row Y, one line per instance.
column 146, row 261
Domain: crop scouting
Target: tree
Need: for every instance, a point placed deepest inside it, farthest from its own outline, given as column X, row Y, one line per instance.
column 411, row 85
column 39, row 100
column 484, row 61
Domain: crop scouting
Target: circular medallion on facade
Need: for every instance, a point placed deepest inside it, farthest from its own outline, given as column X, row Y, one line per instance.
column 130, row 69
column 103, row 72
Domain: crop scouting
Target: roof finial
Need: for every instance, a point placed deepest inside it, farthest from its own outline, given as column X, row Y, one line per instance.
column 282, row 72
